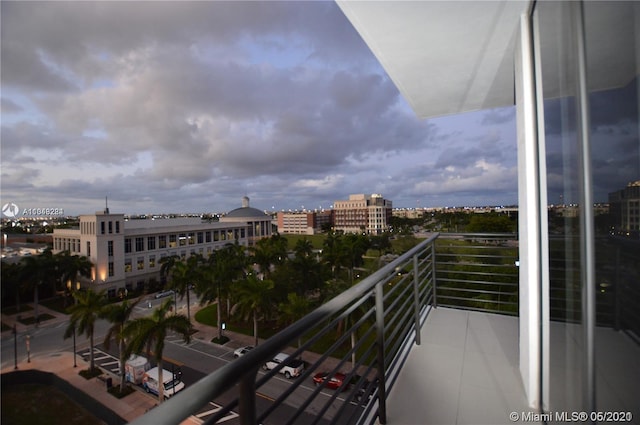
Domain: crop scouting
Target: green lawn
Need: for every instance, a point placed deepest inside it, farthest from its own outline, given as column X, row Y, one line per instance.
column 41, row 404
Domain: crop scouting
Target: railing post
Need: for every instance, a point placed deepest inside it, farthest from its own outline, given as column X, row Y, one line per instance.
column 433, row 274
column 382, row 395
column 247, row 398
column 416, row 293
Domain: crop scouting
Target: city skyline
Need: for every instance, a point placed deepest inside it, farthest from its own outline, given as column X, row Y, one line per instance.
column 186, row 107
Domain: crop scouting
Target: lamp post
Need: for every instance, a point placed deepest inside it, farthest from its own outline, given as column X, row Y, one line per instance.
column 15, row 346
column 74, row 348
column 28, row 348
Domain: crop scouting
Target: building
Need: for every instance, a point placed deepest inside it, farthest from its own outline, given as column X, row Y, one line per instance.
column 259, row 224
column 363, row 213
column 304, row 222
column 554, row 62
column 127, row 253
column 624, row 207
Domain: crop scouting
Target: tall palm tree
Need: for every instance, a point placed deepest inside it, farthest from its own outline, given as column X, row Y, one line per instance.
column 37, row 270
column 146, row 333
column 11, row 278
column 294, row 309
column 253, row 297
column 118, row 315
column 183, row 275
column 83, row 315
column 224, row 267
column 69, row 267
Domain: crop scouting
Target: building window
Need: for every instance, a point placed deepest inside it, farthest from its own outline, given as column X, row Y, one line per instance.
column 152, row 261
column 173, row 241
column 111, row 269
column 117, row 227
column 127, row 245
column 127, row 265
column 183, row 239
column 88, row 249
column 200, row 237
column 216, row 236
column 111, row 227
column 139, row 244
column 162, row 241
column 110, row 248
column 102, row 227
column 208, row 237
column 151, row 243
column 192, row 238
column 140, row 263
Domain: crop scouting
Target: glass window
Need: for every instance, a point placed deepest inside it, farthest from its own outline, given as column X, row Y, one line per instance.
column 127, row 245
column 173, row 241
column 140, row 263
column 162, row 241
column 127, row 265
column 151, row 243
column 139, row 244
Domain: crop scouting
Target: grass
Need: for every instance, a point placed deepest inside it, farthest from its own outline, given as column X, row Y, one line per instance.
column 10, row 311
column 41, row 404
column 31, row 319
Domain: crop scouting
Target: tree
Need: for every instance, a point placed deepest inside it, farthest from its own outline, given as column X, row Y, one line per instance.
column 253, row 297
column 224, row 266
column 294, row 309
column 268, row 252
column 83, row 315
column 118, row 315
column 69, row 267
column 37, row 270
column 146, row 333
column 12, row 280
column 183, row 275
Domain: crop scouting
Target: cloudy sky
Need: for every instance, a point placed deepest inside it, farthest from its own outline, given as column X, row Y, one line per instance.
column 187, row 107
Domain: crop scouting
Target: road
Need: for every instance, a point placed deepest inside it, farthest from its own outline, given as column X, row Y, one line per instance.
column 196, row 359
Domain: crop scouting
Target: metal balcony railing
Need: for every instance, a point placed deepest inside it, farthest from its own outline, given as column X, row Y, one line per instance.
column 478, row 271
column 365, row 334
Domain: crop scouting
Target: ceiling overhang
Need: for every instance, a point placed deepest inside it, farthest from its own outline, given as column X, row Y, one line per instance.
column 448, row 57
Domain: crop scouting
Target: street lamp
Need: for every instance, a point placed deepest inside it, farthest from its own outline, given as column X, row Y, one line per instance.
column 28, row 348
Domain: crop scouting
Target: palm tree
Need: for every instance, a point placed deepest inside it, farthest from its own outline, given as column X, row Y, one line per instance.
column 70, row 266
column 118, row 315
column 83, row 315
column 294, row 309
column 37, row 270
column 183, row 274
column 150, row 332
column 253, row 298
column 224, row 267
column 11, row 278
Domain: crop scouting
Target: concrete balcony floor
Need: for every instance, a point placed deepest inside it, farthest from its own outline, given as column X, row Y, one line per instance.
column 464, row 372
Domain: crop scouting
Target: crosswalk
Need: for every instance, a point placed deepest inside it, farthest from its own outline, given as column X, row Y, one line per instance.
column 102, row 359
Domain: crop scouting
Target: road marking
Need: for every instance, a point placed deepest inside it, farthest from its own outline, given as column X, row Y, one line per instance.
column 110, row 363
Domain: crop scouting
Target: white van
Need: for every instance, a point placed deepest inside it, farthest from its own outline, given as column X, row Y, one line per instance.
column 172, row 384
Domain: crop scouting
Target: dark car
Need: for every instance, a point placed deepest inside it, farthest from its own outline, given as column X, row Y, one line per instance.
column 334, row 381
column 367, row 390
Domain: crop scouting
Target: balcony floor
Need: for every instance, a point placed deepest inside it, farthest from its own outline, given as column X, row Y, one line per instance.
column 464, row 372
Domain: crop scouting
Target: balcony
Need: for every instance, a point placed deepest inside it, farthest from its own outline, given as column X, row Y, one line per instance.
column 459, row 291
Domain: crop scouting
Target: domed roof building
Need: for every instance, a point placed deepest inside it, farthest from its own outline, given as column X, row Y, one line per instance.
column 258, row 222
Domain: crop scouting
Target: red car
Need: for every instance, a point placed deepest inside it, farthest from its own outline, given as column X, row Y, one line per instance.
column 334, row 382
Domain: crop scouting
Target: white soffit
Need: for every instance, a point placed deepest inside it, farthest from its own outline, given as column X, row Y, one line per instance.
column 448, row 57
column 445, row 57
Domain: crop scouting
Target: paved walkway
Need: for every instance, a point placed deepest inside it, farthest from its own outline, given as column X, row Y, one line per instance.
column 61, row 364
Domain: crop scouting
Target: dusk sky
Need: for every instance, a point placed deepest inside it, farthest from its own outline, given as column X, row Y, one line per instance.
column 188, row 107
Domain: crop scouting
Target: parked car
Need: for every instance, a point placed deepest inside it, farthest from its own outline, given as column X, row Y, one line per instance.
column 163, row 294
column 333, row 382
column 367, row 390
column 172, row 383
column 292, row 369
column 242, row 351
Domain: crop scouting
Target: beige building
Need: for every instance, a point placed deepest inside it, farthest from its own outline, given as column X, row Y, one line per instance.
column 363, row 213
column 127, row 253
column 303, row 222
